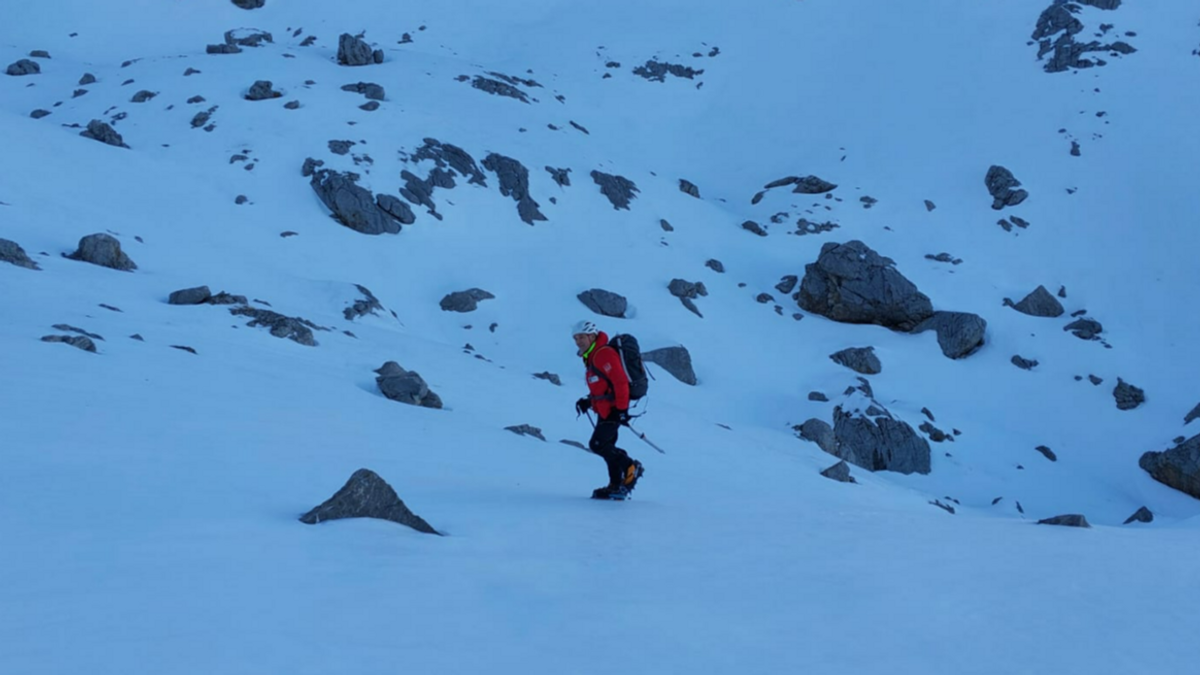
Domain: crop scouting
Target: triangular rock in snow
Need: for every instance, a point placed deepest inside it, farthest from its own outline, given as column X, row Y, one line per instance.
column 366, row 495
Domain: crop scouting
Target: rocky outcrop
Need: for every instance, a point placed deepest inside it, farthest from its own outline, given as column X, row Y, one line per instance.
column 101, row 131
column 23, row 67
column 1001, row 185
column 1128, row 396
column 366, row 495
column 1085, row 328
column 657, row 71
column 250, row 4
column 959, row 334
column 605, row 303
column 1024, row 363
column 367, row 304
column 465, row 301
column 103, row 250
column 79, row 341
column 687, row 292
column 1040, row 302
column 190, row 296
column 865, row 434
column 262, row 90
column 851, row 283
column 293, row 328
column 1194, row 414
column 1178, row 467
column 354, row 51
column 351, row 205
column 526, row 430
column 405, row 386
column 819, row 432
column 618, row 189
column 1067, row 520
column 514, row 182
column 859, row 359
column 675, row 360
column 370, row 90
column 687, row 187
column 1142, row 515
column 839, row 472
column 396, row 208
column 13, row 254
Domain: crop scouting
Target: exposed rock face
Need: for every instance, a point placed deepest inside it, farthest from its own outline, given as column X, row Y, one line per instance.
column 689, row 188
column 688, row 291
column 561, row 177
column 1085, row 329
column 657, row 71
column 368, row 304
column 1142, row 515
column 262, row 90
column 103, row 250
column 675, row 360
column 514, row 182
column 143, row 96
column 23, row 67
column 396, row 208
column 851, row 283
column 1128, row 396
column 787, row 284
column 498, row 88
column 101, row 131
column 1068, row 520
column 859, row 359
column 79, row 341
column 526, row 430
column 405, row 386
column 1038, row 303
column 959, row 334
column 354, row 51
column 879, row 442
column 1000, row 184
column 618, row 189
column 293, row 328
column 465, row 301
column 1067, row 52
column 366, row 495
column 751, row 226
column 223, row 48
column 811, row 185
column 351, row 205
column 839, row 472
column 819, row 432
column 1195, row 413
column 12, row 253
column 190, row 296
column 1178, row 467
column 604, row 302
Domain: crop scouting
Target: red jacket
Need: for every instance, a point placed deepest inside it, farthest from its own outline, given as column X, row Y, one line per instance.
column 603, row 362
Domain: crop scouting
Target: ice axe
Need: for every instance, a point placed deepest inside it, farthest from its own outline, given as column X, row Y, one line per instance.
column 644, row 439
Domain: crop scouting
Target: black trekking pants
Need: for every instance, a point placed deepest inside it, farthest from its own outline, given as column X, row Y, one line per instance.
column 604, row 443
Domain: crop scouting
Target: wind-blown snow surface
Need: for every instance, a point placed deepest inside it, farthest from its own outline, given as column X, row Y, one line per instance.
column 151, row 495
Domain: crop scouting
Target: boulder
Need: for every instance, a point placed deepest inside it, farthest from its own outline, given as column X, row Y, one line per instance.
column 675, row 360
column 1195, row 413
column 716, row 266
column 1068, row 520
column 1128, row 396
column 405, row 386
column 514, row 183
column 12, row 253
column 1047, row 453
column 839, row 472
column 101, row 131
column 351, row 205
column 959, row 334
column 689, row 188
column 80, row 341
column 354, row 51
column 876, row 441
column 1142, row 515
column 618, row 189
column 143, row 96
column 465, row 301
column 1085, row 329
column 250, row 4
column 103, row 250
column 549, row 377
column 859, row 359
column 366, row 495
column 1178, row 467
column 247, row 37
column 262, row 90
column 811, row 185
column 23, row 67
column 819, row 432
column 787, row 284
column 1040, row 302
column 1024, row 363
column 604, row 302
column 751, row 226
column 1000, row 184
column 851, row 283
column 371, row 90
column 190, row 296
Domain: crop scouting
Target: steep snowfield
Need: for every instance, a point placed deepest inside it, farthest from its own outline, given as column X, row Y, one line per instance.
column 152, row 494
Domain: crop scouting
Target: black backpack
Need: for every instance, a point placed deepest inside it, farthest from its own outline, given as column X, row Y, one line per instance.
column 631, row 360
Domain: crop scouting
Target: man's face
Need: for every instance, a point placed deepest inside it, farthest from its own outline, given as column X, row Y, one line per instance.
column 583, row 341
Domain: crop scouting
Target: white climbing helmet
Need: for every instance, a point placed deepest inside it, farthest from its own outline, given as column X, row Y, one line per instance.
column 584, row 328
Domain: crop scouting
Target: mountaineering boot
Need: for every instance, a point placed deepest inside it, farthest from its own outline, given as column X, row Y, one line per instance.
column 632, row 474
column 603, row 492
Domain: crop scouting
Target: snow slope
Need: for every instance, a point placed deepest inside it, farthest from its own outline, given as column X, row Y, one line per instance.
column 153, row 493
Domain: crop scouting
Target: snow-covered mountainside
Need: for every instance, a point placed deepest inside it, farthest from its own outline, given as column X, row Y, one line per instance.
column 989, row 204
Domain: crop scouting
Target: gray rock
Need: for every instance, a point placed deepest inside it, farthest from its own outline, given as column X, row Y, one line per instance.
column 39, row 54
column 79, row 341
column 562, row 177
column 959, row 334
column 656, row 71
column 87, row 79
column 452, row 157
column 23, row 67
column 880, row 443
column 1000, row 184
column 1142, row 515
column 715, row 265
column 72, row 329
column 368, row 304
column 143, row 96
column 370, row 106
column 351, row 205
column 839, row 472
column 223, row 48
column 366, row 495
column 1085, row 329
column 944, row 257
column 201, row 118
column 1038, row 303
column 1194, row 414
column 1096, row 381
column 689, row 188
column 751, row 226
column 190, row 296
column 371, row 90
column 687, row 289
column 604, row 302
column 851, row 283
column 396, row 208
column 1024, row 363
column 1047, row 453
column 224, row 298
column 1128, row 396
column 465, row 301
column 935, row 434
column 405, row 386
column 764, row 298
column 782, row 182
column 250, row 4
column 12, row 253
column 817, row 396
column 101, row 131
column 1068, row 520
column 310, row 166
column 811, row 185
column 514, row 182
column 247, row 37
column 353, row 51
column 526, row 430
column 618, row 189
column 819, row 432
column 805, row 227
column 293, row 328
column 39, row 113
column 103, row 250
column 341, row 147
column 498, row 88
column 787, row 284
column 859, row 359
column 292, row 105
column 929, row 206
column 549, row 377
column 675, row 360
column 261, row 90
column 1178, row 467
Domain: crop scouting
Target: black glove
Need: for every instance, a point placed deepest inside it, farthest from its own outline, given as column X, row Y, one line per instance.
column 583, row 405
column 620, row 416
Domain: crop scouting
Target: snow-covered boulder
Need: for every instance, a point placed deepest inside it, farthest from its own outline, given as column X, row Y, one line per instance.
column 851, row 283
column 405, row 386
column 366, row 495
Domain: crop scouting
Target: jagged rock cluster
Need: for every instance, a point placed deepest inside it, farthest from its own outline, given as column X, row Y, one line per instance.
column 1067, row 53
column 867, row 435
